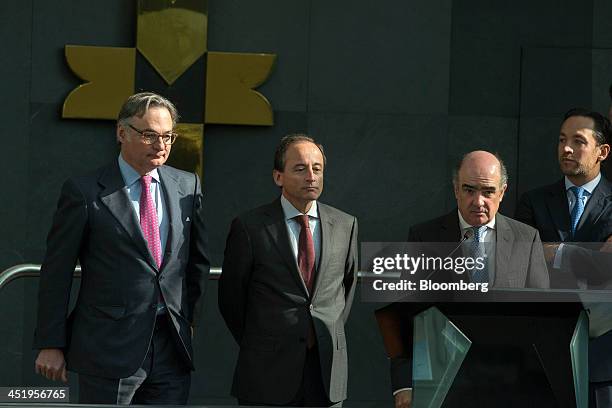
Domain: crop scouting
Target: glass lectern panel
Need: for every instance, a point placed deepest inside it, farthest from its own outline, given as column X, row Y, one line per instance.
column 579, row 348
column 439, row 349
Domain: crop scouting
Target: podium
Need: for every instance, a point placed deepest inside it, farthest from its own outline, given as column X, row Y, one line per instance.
column 492, row 354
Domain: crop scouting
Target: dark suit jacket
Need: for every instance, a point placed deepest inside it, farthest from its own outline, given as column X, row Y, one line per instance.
column 546, row 209
column 108, row 332
column 519, row 264
column 269, row 311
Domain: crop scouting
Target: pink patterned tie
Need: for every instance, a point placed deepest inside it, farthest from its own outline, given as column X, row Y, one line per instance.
column 148, row 219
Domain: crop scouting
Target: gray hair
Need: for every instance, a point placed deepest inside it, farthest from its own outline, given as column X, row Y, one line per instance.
column 503, row 172
column 138, row 104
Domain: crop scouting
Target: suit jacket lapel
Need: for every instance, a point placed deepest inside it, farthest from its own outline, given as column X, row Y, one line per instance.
column 172, row 193
column 327, row 242
column 556, row 201
column 115, row 197
column 277, row 228
column 593, row 210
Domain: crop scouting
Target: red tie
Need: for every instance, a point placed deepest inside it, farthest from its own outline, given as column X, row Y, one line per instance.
column 148, row 219
column 306, row 252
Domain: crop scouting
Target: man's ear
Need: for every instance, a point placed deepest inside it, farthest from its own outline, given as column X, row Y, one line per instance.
column 120, row 134
column 604, row 152
column 278, row 177
column 503, row 191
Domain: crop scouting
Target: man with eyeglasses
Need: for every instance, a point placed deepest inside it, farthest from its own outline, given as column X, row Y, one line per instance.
column 136, row 227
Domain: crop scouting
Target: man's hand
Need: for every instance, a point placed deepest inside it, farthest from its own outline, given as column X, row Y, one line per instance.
column 403, row 399
column 51, row 364
column 550, row 250
column 607, row 246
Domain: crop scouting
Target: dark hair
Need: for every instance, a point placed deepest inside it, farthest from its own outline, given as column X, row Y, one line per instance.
column 138, row 104
column 503, row 172
column 285, row 142
column 601, row 124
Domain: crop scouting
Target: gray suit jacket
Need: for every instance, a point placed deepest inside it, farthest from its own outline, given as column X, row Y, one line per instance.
column 519, row 259
column 269, row 311
column 108, row 332
column 519, row 264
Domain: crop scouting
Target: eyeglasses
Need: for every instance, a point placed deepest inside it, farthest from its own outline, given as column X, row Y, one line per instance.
column 149, row 137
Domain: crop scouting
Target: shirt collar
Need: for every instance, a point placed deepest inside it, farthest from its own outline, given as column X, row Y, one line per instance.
column 130, row 176
column 589, row 187
column 464, row 225
column 292, row 212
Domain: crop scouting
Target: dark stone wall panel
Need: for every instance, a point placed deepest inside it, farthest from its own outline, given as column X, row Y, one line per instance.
column 389, row 56
column 58, row 23
column 270, row 26
column 486, row 41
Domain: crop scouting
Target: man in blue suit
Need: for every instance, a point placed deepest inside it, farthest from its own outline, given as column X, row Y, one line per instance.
column 136, row 227
column 578, row 208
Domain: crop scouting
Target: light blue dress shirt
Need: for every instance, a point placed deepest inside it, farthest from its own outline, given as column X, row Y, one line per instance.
column 571, row 202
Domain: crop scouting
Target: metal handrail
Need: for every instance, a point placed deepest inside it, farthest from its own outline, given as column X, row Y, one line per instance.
column 33, row 271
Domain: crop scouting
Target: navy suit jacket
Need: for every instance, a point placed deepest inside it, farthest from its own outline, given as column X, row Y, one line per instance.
column 108, row 332
column 546, row 209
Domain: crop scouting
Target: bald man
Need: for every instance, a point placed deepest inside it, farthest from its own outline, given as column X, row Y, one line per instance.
column 517, row 261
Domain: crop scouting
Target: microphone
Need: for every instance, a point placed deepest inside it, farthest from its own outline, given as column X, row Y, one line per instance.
column 467, row 235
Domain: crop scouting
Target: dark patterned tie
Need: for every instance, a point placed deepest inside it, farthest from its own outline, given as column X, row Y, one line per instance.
column 148, row 219
column 306, row 252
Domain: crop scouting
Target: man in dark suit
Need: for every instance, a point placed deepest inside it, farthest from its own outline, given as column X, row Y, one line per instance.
column 578, row 208
column 517, row 261
column 287, row 286
column 136, row 227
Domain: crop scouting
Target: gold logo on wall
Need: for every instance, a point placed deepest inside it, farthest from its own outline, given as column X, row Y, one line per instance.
column 172, row 36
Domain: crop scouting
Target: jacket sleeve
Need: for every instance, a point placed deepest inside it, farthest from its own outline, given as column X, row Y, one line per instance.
column 350, row 271
column 538, row 271
column 67, row 235
column 198, row 266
